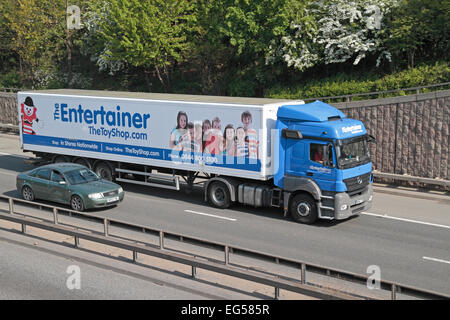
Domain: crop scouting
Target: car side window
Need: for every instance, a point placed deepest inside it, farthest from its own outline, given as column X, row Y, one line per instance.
column 56, row 176
column 44, row 174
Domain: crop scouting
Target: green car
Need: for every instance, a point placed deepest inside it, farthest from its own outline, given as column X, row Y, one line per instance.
column 69, row 183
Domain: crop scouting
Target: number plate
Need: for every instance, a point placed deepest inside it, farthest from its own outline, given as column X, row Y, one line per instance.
column 112, row 199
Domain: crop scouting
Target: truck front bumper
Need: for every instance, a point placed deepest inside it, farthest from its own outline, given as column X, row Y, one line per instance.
column 346, row 206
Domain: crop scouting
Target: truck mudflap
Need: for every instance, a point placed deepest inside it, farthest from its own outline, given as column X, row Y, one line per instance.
column 346, row 206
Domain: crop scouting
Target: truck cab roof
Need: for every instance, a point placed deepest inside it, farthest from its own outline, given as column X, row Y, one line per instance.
column 320, row 120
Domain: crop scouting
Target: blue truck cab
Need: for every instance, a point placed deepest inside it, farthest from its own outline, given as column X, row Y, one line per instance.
column 324, row 168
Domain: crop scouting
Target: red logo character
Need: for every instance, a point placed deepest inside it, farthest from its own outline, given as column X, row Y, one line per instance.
column 28, row 111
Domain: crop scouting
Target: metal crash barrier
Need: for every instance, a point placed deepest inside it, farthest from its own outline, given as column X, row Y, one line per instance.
column 223, row 267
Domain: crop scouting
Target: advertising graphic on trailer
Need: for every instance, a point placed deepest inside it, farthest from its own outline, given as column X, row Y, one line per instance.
column 188, row 133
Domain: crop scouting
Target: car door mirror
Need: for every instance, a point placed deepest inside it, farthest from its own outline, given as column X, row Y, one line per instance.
column 62, row 182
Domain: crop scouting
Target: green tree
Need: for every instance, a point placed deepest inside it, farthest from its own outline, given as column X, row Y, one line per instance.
column 419, row 30
column 150, row 34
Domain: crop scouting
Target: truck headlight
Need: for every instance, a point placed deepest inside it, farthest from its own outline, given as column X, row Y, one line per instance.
column 120, row 190
column 344, row 207
column 95, row 196
column 370, row 198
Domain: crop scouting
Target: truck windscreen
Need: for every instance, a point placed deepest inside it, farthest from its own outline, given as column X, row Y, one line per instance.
column 352, row 152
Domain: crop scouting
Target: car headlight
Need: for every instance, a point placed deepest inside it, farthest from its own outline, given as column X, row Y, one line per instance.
column 344, row 207
column 95, row 196
column 120, row 190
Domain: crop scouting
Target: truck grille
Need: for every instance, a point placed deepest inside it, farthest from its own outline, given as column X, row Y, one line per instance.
column 110, row 193
column 358, row 183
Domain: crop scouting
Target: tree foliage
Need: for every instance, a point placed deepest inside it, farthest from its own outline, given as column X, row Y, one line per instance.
column 148, row 34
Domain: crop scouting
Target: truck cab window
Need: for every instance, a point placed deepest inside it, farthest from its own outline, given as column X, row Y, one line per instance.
column 321, row 153
column 316, row 152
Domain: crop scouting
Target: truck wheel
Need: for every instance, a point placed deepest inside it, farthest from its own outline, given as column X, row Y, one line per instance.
column 218, row 195
column 76, row 203
column 104, row 171
column 303, row 209
column 27, row 193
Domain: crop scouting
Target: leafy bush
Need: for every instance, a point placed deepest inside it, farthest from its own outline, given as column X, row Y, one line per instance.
column 342, row 84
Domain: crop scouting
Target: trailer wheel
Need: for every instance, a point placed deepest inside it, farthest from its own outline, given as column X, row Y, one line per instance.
column 83, row 161
column 104, row 171
column 303, row 209
column 219, row 195
column 59, row 159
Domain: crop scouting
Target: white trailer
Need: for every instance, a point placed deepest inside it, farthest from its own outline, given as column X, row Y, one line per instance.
column 109, row 131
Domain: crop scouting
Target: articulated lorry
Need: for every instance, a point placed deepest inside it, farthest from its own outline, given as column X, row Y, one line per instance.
column 310, row 160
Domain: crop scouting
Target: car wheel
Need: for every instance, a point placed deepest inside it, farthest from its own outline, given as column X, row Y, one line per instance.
column 303, row 209
column 218, row 195
column 27, row 193
column 76, row 203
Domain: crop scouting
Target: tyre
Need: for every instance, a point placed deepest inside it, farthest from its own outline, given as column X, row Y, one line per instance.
column 76, row 203
column 303, row 209
column 27, row 193
column 60, row 159
column 83, row 162
column 104, row 171
column 219, row 195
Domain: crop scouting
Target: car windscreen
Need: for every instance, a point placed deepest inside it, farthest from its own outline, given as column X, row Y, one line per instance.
column 352, row 152
column 81, row 176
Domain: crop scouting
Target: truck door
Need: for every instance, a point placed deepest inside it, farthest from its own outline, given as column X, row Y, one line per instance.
column 320, row 164
column 305, row 158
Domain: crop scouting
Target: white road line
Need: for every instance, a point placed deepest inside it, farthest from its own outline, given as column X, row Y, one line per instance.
column 7, row 173
column 210, row 215
column 435, row 259
column 406, row 220
column 14, row 155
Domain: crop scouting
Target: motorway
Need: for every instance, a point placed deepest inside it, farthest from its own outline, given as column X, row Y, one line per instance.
column 406, row 233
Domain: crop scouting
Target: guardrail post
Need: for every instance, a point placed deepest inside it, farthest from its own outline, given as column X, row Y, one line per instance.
column 11, row 206
column 303, row 273
column 277, row 293
column 134, row 256
column 24, row 228
column 76, row 241
column 194, row 272
column 161, row 240
column 55, row 215
column 393, row 292
column 227, row 255
column 105, row 224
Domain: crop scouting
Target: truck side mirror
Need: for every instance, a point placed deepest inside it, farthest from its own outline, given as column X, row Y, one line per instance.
column 371, row 139
column 328, row 152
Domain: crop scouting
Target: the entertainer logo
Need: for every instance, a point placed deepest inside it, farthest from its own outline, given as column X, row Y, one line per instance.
column 105, row 123
column 353, row 129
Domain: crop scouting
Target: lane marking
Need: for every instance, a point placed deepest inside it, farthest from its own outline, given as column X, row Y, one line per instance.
column 7, row 173
column 209, row 215
column 406, row 220
column 436, row 260
column 12, row 154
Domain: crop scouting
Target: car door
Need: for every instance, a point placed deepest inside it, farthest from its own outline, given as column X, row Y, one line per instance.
column 40, row 184
column 56, row 190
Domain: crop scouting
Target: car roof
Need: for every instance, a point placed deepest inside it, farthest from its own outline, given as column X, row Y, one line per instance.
column 63, row 166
